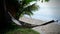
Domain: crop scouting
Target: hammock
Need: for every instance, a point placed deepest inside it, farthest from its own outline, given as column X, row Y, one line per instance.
column 27, row 25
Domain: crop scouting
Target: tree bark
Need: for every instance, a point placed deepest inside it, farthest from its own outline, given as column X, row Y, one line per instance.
column 4, row 17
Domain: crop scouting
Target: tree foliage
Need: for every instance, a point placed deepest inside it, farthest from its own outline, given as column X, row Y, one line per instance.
column 22, row 7
column 25, row 8
column 17, row 8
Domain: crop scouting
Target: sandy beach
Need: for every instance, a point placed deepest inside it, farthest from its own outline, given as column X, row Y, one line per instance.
column 52, row 28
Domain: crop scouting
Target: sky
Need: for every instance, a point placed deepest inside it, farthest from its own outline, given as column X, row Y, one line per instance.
column 48, row 11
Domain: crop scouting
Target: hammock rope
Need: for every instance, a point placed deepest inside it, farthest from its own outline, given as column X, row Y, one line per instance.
column 27, row 25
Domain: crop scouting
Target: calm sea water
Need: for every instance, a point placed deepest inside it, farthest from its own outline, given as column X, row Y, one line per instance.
column 48, row 11
column 47, row 14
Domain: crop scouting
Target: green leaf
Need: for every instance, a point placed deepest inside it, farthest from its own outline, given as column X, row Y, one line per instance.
column 46, row 0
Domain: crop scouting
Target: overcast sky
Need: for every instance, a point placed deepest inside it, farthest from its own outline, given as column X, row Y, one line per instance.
column 48, row 10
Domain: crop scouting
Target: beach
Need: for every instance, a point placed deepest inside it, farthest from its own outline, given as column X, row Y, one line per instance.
column 52, row 28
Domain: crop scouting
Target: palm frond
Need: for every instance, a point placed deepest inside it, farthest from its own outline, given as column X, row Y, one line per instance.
column 27, row 9
column 46, row 0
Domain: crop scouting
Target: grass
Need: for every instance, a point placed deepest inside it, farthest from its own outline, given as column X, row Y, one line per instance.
column 14, row 29
column 22, row 31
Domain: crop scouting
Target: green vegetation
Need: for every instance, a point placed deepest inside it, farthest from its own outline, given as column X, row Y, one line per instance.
column 17, row 9
column 14, row 29
column 22, row 31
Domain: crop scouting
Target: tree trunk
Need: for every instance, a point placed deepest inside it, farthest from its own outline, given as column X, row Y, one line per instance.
column 4, row 18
